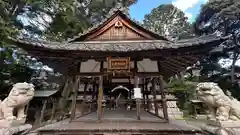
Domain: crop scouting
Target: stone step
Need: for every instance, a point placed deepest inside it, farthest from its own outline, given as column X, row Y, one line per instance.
column 121, row 133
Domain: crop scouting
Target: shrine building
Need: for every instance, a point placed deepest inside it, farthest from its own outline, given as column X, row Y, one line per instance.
column 118, row 58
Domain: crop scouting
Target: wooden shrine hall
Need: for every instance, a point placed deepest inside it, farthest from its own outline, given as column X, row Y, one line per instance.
column 119, row 54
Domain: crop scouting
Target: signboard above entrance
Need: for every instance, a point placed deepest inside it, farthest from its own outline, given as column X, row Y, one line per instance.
column 118, row 64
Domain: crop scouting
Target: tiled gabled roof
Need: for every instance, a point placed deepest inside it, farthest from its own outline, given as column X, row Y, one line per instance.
column 120, row 46
column 112, row 14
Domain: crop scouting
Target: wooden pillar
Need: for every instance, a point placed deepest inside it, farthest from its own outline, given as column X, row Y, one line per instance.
column 76, row 80
column 164, row 100
column 53, row 109
column 100, row 96
column 74, row 99
column 93, row 96
column 37, row 116
column 93, row 90
column 83, row 102
column 65, row 94
column 136, row 85
column 154, row 96
column 144, row 93
column 85, row 91
column 138, row 101
column 147, row 96
column 42, row 112
column 101, row 66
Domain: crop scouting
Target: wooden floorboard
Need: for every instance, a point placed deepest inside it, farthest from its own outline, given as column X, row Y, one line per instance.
column 113, row 125
column 118, row 120
column 121, row 115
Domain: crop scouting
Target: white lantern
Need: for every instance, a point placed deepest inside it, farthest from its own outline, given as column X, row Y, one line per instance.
column 137, row 93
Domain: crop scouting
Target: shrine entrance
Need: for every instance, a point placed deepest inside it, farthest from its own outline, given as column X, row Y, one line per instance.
column 118, row 86
column 120, row 98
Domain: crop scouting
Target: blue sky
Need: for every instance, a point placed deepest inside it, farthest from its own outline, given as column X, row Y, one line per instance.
column 190, row 7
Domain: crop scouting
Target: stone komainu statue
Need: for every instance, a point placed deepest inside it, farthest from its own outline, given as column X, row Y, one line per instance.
column 18, row 98
column 221, row 107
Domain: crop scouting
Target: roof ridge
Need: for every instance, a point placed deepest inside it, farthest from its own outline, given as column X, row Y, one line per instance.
column 118, row 8
column 123, row 41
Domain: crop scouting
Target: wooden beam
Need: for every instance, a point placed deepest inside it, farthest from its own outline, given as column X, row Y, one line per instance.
column 162, row 58
column 78, row 55
column 168, row 67
column 191, row 58
column 166, row 71
column 172, row 60
column 100, row 96
column 192, row 50
column 96, row 74
column 147, row 74
column 162, row 68
column 184, row 60
column 173, row 65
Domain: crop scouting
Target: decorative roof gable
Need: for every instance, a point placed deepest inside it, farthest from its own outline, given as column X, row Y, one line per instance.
column 117, row 27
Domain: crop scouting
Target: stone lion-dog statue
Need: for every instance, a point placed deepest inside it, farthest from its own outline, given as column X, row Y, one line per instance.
column 18, row 98
column 221, row 107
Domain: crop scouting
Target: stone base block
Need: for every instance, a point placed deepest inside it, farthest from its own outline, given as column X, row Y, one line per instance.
column 175, row 113
column 176, row 117
column 13, row 123
column 208, row 129
column 225, row 124
column 15, row 129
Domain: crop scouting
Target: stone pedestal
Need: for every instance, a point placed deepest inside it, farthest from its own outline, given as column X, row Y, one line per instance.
column 15, row 129
column 222, row 127
column 224, row 124
column 173, row 110
column 175, row 113
column 13, row 123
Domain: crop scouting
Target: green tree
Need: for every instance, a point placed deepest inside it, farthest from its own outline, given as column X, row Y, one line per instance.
column 221, row 16
column 168, row 21
column 54, row 19
column 84, row 14
column 183, row 87
column 13, row 67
